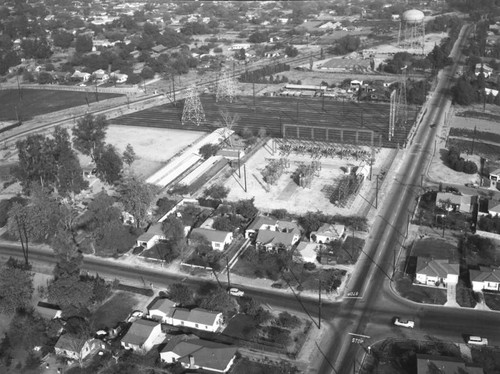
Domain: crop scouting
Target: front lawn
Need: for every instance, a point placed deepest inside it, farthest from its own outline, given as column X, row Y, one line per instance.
column 304, row 279
column 420, row 294
column 114, row 310
column 492, row 300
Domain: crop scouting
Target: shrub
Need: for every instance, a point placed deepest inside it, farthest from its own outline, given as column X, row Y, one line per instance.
column 140, row 291
column 457, row 163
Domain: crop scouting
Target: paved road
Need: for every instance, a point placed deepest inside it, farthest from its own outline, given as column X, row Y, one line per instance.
column 375, row 268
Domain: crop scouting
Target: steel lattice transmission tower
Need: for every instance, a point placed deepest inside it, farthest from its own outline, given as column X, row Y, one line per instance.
column 226, row 87
column 193, row 110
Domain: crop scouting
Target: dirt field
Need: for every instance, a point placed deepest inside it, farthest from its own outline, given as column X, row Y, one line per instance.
column 153, row 146
column 286, row 194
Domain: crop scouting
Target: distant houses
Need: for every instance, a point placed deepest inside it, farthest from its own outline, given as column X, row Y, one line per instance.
column 152, row 236
column 327, row 233
column 435, row 272
column 272, row 234
column 218, row 239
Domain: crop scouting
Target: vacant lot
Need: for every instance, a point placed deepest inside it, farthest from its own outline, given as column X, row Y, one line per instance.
column 30, row 103
column 154, row 147
column 116, row 309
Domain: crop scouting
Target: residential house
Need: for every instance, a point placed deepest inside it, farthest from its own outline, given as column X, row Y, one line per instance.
column 152, row 236
column 484, row 69
column 494, row 178
column 281, row 233
column 330, row 25
column 272, row 54
column 197, row 318
column 435, row 272
column 444, row 365
column 142, row 336
column 485, row 279
column 327, row 233
column 195, row 353
column 80, row 76
column 453, row 202
column 259, row 223
column 74, row 348
column 494, row 210
column 101, row 75
column 160, row 309
column 218, row 239
column 48, row 311
column 308, row 251
column 120, row 78
column 237, row 47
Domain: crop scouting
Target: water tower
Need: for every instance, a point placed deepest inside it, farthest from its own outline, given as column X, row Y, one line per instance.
column 412, row 31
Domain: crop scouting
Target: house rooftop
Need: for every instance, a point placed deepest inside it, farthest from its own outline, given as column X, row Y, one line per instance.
column 139, row 331
column 440, row 268
column 153, row 230
column 328, row 229
column 444, row 365
column 485, row 274
column 47, row 310
column 203, row 316
column 211, row 235
column 274, row 237
column 162, row 305
column 259, row 221
column 70, row 343
column 206, row 354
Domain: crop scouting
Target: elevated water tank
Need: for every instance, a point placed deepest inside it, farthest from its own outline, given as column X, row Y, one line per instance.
column 413, row 16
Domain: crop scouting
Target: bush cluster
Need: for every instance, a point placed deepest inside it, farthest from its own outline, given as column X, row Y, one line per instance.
column 457, row 163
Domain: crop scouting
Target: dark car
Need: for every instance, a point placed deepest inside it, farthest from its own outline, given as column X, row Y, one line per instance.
column 277, row 285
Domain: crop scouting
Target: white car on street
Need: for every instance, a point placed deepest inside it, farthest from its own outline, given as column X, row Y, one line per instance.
column 403, row 323
column 236, row 292
column 477, row 340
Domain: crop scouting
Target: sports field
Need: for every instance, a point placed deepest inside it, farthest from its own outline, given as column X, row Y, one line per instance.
column 272, row 113
column 29, row 103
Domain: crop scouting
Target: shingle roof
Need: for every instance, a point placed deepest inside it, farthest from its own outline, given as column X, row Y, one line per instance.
column 206, row 354
column 139, row 332
column 328, row 229
column 440, row 268
column 181, row 314
column 70, row 343
column 162, row 305
column 203, row 316
column 261, row 220
column 274, row 237
column 47, row 310
column 211, row 235
column 153, row 230
column 485, row 274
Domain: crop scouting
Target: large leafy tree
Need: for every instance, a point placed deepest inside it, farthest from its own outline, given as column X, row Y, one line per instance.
column 36, row 162
column 89, row 134
column 16, row 288
column 129, row 155
column 219, row 300
column 181, row 294
column 109, row 164
column 137, row 197
column 20, row 225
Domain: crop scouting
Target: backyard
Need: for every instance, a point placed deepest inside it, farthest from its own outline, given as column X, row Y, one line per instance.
column 117, row 308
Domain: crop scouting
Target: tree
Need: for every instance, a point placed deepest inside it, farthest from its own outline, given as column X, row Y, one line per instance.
column 129, row 155
column 291, row 51
column 16, row 289
column 27, row 330
column 44, row 78
column 240, row 55
column 62, row 38
column 137, row 197
column 109, row 164
column 70, row 175
column 246, row 208
column 89, row 134
column 36, row 162
column 216, row 192
column 463, row 92
column 181, row 294
column 258, row 37
column 219, row 300
column 83, row 43
column 208, row 150
column 70, row 293
column 19, row 225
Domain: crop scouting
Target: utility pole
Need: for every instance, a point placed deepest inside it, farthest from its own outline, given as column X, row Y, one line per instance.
column 239, row 165
column 473, row 140
column 245, row 175
column 228, row 275
column 319, row 301
column 376, row 192
column 253, row 90
column 173, row 86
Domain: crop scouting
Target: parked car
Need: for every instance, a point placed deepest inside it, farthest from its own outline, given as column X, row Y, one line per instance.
column 236, row 292
column 404, row 323
column 277, row 285
column 477, row 340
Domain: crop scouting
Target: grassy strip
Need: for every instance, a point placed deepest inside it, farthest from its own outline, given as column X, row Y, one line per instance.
column 477, row 135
